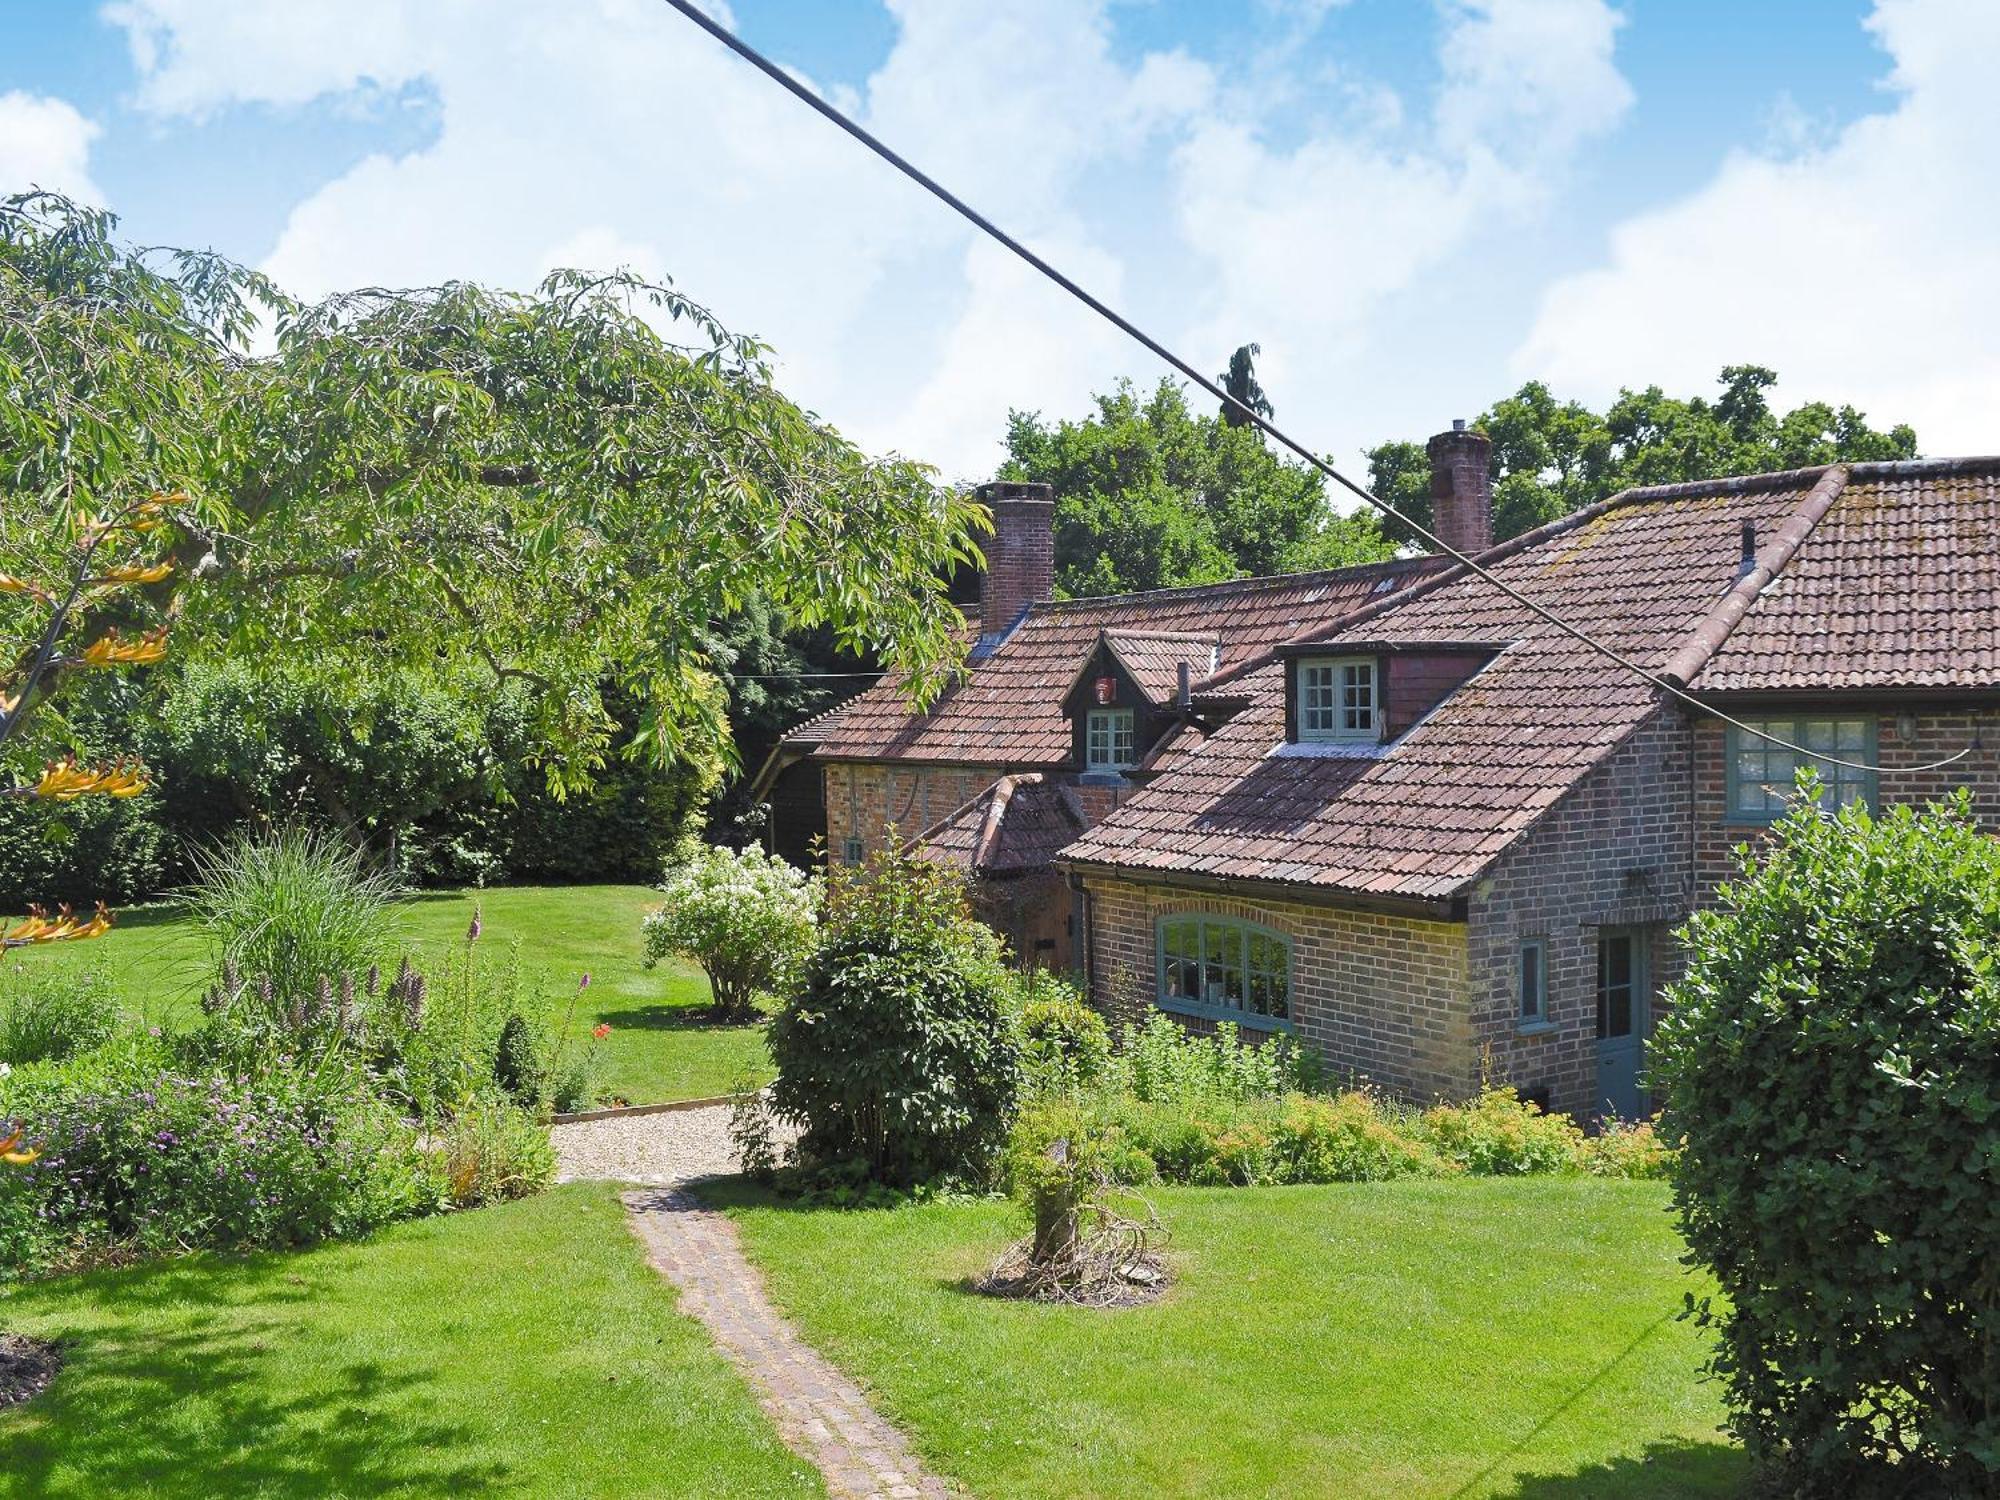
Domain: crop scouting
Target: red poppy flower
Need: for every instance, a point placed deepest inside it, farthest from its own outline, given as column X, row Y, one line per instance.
column 600, row 1031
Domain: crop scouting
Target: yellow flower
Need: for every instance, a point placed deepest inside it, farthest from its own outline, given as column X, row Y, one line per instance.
column 136, row 573
column 65, row 780
column 13, row 1152
column 9, row 584
column 64, row 928
column 113, row 650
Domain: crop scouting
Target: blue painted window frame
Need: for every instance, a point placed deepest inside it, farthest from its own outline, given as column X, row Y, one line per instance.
column 1244, row 932
column 1739, row 748
column 1539, row 1016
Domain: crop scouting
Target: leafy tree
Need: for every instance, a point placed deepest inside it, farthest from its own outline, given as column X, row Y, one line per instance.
column 1151, row 495
column 1551, row 457
column 1832, row 1058
column 545, row 487
column 1239, row 382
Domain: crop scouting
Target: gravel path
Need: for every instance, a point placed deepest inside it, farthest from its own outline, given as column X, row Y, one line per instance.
column 660, row 1150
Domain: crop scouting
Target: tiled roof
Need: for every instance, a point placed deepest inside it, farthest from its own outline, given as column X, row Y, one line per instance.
column 1018, row 823
column 1007, row 712
column 1899, row 586
column 798, row 742
column 1425, row 817
column 1153, row 658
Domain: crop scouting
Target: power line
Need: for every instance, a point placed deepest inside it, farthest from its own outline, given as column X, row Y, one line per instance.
column 936, row 189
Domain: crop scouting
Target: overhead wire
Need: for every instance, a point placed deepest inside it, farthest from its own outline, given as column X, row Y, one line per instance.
column 802, row 92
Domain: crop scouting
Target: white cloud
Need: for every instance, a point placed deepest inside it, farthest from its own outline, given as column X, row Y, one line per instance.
column 608, row 131
column 45, row 143
column 1861, row 270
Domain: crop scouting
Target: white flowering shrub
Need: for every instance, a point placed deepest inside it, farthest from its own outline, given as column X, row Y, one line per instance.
column 749, row 919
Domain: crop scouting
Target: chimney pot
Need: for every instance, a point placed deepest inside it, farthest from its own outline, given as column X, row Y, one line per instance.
column 1749, row 550
column 1020, row 555
column 1462, row 488
column 1458, row 424
column 1185, row 697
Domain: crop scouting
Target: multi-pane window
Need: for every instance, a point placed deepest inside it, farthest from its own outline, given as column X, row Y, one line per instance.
column 1338, row 698
column 1534, row 980
column 1107, row 739
column 1220, row 964
column 852, row 851
column 1761, row 773
column 1617, row 985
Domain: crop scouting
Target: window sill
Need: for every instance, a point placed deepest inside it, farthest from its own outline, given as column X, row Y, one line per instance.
column 1534, row 1028
column 1247, row 1020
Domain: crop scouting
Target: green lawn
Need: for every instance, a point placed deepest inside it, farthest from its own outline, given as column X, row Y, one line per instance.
column 1424, row 1339
column 660, row 1046
column 522, row 1350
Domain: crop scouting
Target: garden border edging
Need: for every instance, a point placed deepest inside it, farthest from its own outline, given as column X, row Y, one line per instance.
column 627, row 1111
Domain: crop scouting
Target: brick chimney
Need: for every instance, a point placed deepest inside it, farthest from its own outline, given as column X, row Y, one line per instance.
column 1020, row 556
column 1462, row 488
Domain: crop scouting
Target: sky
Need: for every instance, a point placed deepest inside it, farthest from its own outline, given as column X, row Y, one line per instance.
column 1413, row 206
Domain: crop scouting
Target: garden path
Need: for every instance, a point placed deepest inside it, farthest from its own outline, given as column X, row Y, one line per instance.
column 659, row 1150
column 820, row 1413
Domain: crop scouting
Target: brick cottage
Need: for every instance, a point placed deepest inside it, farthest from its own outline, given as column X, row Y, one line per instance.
column 1390, row 809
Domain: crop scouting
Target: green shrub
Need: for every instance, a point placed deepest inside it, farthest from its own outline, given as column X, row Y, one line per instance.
column 1348, row 1138
column 288, row 917
column 897, row 1051
column 1832, row 1058
column 1064, row 1045
column 747, row 917
column 1628, row 1149
column 517, row 1064
column 142, row 1158
column 1162, row 1060
column 493, row 1151
column 1499, row 1134
column 49, row 1014
column 435, row 1038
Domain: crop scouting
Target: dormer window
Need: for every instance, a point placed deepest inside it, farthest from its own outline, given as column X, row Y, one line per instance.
column 1108, row 740
column 1339, row 698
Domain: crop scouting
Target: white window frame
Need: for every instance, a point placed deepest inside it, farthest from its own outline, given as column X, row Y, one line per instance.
column 1103, row 730
column 1339, row 698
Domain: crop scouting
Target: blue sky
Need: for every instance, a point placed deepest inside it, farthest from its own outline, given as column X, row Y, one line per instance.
column 1413, row 205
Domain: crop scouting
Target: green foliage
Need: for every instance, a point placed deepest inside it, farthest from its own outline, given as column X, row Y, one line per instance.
column 543, row 488
column 492, row 1152
column 1162, row 1062
column 1348, row 1138
column 1550, row 457
column 1064, row 1045
column 1500, row 1134
column 50, row 1014
column 1152, row 495
column 897, row 1050
column 287, row 917
column 141, row 1158
column 1833, row 1059
column 517, row 1063
column 747, row 917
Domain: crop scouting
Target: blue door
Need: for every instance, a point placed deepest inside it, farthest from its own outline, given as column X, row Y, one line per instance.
column 1621, row 1021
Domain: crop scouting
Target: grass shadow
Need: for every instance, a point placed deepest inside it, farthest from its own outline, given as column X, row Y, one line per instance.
column 1666, row 1470
column 694, row 1015
column 190, row 1412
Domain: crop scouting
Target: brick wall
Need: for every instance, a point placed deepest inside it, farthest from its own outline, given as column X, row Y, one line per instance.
column 1376, row 995
column 1939, row 731
column 1020, row 555
column 1616, row 852
column 864, row 799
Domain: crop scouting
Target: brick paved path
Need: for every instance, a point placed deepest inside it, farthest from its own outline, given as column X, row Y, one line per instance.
column 820, row 1413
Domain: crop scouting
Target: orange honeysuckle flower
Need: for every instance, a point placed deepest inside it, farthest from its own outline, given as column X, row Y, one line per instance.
column 13, row 1152
column 9, row 584
column 65, row 780
column 136, row 573
column 39, row 927
column 113, row 650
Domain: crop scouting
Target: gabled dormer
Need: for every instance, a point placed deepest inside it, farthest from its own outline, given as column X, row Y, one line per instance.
column 1352, row 696
column 1129, row 690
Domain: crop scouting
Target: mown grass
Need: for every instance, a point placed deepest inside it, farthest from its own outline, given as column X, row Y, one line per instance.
column 525, row 1350
column 661, row 1045
column 1416, row 1339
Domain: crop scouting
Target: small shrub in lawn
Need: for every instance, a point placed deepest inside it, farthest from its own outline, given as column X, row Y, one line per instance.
column 48, row 1014
column 1832, row 1058
column 1500, row 1134
column 494, row 1151
column 746, row 917
column 1622, row 1149
column 898, row 1050
column 442, row 1048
